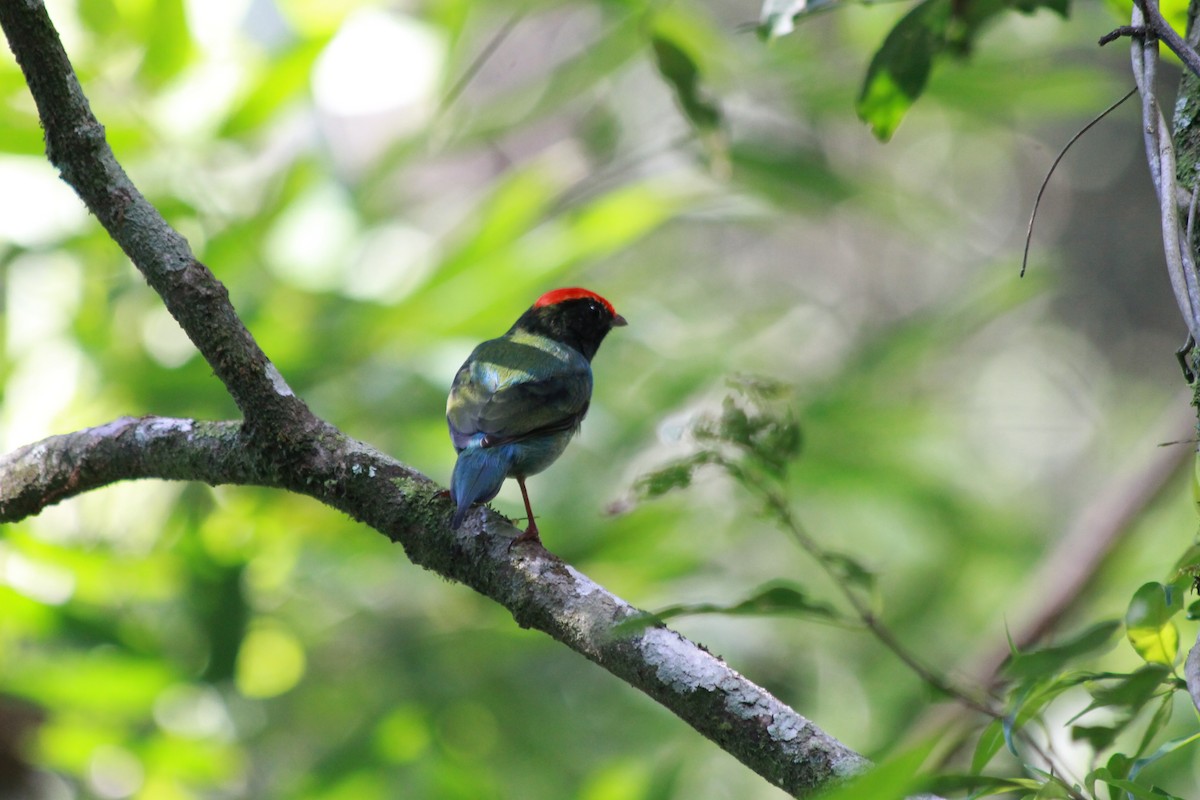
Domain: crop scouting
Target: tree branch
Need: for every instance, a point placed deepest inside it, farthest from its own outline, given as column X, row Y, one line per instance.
column 539, row 589
column 1160, row 156
column 47, row 472
column 281, row 444
column 76, row 145
column 1156, row 24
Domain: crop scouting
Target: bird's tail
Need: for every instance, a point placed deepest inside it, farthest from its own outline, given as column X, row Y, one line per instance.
column 478, row 475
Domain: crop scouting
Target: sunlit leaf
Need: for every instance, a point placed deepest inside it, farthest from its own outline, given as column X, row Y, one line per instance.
column 403, row 735
column 169, row 43
column 900, row 69
column 100, row 16
column 283, row 80
column 518, row 202
column 270, row 662
column 1148, row 623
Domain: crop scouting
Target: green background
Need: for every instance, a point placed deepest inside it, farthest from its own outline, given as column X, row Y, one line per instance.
column 382, row 186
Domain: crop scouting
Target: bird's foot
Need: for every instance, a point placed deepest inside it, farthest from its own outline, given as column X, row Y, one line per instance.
column 530, row 535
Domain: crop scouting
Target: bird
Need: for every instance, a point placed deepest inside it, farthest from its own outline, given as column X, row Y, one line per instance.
column 518, row 399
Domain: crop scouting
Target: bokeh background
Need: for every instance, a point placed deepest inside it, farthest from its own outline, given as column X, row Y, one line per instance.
column 382, row 185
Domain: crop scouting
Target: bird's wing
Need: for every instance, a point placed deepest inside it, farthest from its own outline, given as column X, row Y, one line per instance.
column 512, row 389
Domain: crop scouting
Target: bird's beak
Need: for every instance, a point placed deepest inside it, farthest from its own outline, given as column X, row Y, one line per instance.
column 618, row 321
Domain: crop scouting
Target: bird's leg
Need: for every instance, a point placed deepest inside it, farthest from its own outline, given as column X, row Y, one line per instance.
column 531, row 531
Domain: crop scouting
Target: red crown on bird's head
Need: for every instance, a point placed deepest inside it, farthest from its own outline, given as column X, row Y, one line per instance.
column 572, row 293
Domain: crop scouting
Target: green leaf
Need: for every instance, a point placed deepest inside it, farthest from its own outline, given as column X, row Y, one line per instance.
column 1119, row 765
column 789, row 174
column 1148, row 623
column 980, row 785
column 682, row 74
column 675, row 475
column 1190, row 560
column 1098, row 736
column 894, row 779
column 1193, row 611
column 990, row 742
column 776, row 597
column 1165, row 749
column 770, row 437
column 169, row 44
column 281, row 82
column 1044, row 662
column 849, row 570
column 100, row 16
column 900, row 69
column 1162, row 715
column 1137, row 790
column 1131, row 692
column 1054, row 789
column 780, row 597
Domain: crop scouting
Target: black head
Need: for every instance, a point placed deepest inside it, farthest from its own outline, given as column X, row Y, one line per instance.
column 576, row 317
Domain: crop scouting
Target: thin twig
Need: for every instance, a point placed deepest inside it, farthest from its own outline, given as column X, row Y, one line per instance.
column 1054, row 166
column 1155, row 22
column 887, row 637
column 1123, row 30
column 884, row 634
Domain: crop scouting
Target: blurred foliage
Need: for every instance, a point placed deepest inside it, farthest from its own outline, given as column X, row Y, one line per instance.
column 382, row 186
column 754, row 444
column 900, row 69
